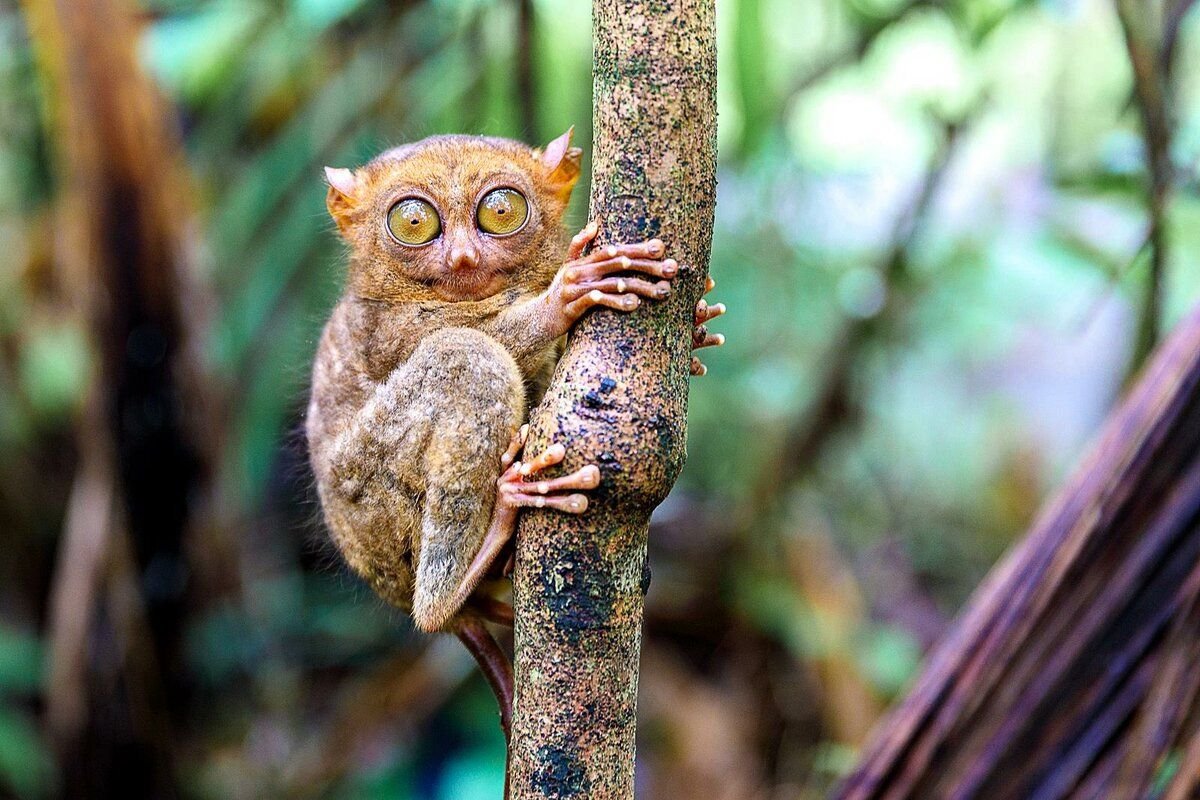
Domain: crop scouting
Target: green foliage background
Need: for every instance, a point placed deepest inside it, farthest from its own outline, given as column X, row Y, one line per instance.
column 979, row 347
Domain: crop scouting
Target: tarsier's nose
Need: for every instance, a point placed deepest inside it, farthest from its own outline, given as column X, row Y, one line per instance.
column 463, row 257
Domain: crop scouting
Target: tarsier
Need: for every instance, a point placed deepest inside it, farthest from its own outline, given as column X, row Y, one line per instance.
column 459, row 292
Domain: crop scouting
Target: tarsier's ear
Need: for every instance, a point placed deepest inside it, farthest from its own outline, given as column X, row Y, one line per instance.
column 562, row 163
column 341, row 199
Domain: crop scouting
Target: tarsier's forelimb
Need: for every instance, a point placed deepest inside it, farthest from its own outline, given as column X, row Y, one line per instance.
column 594, row 280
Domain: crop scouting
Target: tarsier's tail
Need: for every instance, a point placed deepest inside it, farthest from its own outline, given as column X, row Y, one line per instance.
column 493, row 661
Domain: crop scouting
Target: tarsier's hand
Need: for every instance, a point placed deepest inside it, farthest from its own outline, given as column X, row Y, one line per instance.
column 585, row 282
column 700, row 335
column 588, row 281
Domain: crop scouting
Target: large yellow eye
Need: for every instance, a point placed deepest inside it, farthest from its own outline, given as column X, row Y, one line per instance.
column 413, row 221
column 502, row 211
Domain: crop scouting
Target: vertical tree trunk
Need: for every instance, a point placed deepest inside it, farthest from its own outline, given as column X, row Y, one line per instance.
column 618, row 400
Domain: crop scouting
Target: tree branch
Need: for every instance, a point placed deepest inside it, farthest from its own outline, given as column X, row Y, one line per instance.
column 618, row 400
column 1054, row 680
column 145, row 436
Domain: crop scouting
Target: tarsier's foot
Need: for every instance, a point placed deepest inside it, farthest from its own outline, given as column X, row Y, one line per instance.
column 700, row 335
column 515, row 490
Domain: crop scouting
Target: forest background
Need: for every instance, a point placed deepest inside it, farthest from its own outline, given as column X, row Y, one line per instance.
column 943, row 253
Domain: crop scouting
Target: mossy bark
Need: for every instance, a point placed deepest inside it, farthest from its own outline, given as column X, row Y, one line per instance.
column 618, row 400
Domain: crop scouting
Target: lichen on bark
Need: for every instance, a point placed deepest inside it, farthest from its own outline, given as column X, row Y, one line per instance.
column 618, row 400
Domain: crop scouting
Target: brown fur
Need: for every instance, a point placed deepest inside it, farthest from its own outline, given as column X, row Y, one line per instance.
column 424, row 371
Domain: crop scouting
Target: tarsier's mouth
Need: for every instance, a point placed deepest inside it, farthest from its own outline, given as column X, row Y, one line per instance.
column 472, row 284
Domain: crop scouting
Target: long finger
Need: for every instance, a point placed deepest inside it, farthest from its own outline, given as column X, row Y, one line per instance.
column 582, row 239
column 569, row 503
column 586, row 478
column 702, row 338
column 554, row 454
column 650, row 289
column 584, row 270
column 515, row 444
column 617, row 302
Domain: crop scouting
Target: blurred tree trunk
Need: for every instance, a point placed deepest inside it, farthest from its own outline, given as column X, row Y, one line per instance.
column 619, row 400
column 121, row 576
column 756, row 100
column 1074, row 672
column 526, row 82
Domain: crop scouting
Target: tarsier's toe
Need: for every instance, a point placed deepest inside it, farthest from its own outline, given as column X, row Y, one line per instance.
column 554, row 454
column 515, row 446
column 570, row 503
column 585, row 478
column 576, row 503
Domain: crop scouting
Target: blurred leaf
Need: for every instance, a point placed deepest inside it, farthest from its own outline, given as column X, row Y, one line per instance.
column 1166, row 772
column 834, row 759
column 26, row 766
column 890, row 658
column 395, row 780
column 54, row 368
column 195, row 54
column 20, row 662
column 474, row 776
column 320, row 14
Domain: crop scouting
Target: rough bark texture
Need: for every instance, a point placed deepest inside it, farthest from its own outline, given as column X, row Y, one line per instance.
column 1073, row 673
column 618, row 400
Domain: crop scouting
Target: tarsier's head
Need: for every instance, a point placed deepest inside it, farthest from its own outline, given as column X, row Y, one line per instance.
column 454, row 217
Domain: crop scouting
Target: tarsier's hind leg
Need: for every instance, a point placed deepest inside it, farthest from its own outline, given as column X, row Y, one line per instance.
column 476, row 403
